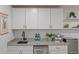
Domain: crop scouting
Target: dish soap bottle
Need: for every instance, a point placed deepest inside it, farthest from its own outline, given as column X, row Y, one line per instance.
column 39, row 37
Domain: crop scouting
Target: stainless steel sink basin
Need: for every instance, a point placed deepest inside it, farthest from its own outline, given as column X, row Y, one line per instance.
column 22, row 42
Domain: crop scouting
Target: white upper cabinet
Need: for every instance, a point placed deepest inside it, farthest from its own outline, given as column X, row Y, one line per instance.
column 18, row 21
column 37, row 18
column 43, row 18
column 57, row 18
column 31, row 18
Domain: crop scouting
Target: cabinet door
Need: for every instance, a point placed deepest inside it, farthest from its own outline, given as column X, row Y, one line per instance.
column 57, row 52
column 20, row 50
column 18, row 21
column 20, row 47
column 57, row 18
column 31, row 18
column 27, row 52
column 3, row 45
column 14, row 52
column 43, row 18
column 58, row 49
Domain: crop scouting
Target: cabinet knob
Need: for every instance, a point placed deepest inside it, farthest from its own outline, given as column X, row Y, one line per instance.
column 50, row 26
column 48, row 52
column 20, row 52
column 24, row 26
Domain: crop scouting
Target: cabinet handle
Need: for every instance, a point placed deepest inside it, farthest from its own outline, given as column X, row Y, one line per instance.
column 57, row 47
column 20, row 52
column 24, row 26
column 48, row 52
column 50, row 26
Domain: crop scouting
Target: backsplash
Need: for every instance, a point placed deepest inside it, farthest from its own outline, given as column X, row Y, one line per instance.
column 30, row 33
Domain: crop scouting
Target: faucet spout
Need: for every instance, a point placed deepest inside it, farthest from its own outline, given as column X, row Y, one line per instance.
column 23, row 35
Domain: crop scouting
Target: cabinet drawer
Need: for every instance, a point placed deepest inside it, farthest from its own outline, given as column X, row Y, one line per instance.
column 57, row 48
column 20, row 47
column 28, row 52
column 58, row 52
column 20, row 52
column 13, row 52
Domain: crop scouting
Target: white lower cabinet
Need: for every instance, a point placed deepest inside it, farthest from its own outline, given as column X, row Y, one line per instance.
column 20, row 50
column 61, row 49
column 58, row 50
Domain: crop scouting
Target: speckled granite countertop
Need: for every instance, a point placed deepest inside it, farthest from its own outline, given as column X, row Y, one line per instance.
column 33, row 42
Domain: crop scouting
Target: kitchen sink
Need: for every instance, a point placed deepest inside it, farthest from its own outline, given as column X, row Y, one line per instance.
column 22, row 42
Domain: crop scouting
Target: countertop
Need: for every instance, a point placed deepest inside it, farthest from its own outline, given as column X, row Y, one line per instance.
column 33, row 42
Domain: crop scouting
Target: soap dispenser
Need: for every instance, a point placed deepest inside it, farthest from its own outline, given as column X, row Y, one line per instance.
column 37, row 37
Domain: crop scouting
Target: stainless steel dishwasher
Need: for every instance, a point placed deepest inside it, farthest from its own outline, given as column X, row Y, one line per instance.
column 40, row 49
column 72, row 46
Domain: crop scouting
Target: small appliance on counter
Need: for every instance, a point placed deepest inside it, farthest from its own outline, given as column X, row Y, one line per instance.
column 37, row 37
column 64, row 40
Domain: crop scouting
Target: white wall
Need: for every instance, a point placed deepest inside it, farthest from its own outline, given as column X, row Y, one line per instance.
column 30, row 33
column 7, row 37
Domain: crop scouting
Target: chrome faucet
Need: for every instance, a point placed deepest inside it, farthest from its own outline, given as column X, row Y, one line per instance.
column 23, row 35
